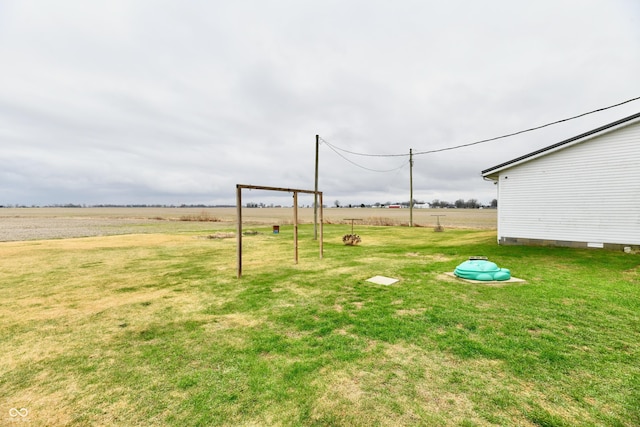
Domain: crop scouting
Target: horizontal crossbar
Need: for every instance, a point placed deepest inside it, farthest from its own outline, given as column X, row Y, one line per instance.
column 290, row 190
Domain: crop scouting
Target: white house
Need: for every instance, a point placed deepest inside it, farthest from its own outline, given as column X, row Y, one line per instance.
column 581, row 192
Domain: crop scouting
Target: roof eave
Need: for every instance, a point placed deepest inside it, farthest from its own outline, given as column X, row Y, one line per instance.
column 493, row 172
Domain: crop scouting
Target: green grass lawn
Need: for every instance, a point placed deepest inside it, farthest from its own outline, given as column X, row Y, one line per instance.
column 157, row 330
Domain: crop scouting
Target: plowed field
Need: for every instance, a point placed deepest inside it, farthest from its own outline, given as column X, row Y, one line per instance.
column 18, row 224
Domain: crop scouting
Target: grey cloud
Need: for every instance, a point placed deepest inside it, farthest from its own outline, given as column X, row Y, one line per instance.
column 174, row 102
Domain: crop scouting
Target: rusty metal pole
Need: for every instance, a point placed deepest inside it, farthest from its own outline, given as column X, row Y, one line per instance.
column 411, row 187
column 239, row 228
column 321, row 228
column 315, row 196
column 295, row 225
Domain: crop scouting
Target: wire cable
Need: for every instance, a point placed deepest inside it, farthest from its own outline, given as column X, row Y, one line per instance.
column 360, row 166
column 526, row 130
column 417, row 153
column 333, row 147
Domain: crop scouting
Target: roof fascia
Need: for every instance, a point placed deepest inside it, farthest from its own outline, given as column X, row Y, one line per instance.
column 492, row 172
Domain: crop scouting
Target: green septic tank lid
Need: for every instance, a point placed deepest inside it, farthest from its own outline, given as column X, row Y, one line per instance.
column 481, row 270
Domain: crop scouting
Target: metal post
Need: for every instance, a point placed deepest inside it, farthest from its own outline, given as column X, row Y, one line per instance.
column 321, row 227
column 411, row 187
column 239, row 229
column 315, row 196
column 438, row 226
column 295, row 225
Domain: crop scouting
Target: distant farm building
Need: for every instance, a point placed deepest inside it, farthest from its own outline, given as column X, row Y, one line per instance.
column 581, row 192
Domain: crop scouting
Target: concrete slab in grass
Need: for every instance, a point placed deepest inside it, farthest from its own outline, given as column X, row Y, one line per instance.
column 381, row 280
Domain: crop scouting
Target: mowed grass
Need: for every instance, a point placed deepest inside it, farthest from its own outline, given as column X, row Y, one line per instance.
column 156, row 330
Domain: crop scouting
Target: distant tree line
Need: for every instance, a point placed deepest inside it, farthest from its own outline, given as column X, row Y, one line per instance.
column 458, row 204
column 462, row 204
column 436, row 203
column 261, row 205
column 135, row 205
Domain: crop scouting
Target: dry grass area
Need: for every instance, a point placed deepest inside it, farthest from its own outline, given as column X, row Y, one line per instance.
column 19, row 224
column 64, row 313
column 155, row 329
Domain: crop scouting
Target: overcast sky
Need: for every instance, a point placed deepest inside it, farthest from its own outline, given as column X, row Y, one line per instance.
column 176, row 102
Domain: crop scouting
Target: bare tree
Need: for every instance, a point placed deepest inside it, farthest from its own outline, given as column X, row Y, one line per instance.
column 472, row 204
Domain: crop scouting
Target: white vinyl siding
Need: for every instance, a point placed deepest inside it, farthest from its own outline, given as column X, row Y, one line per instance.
column 586, row 192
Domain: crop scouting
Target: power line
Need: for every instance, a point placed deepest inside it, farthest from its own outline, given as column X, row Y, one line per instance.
column 528, row 130
column 333, row 147
column 335, row 150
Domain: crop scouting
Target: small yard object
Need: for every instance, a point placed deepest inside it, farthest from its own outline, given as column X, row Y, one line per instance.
column 382, row 280
column 352, row 219
column 480, row 269
column 351, row 239
column 438, row 227
column 221, row 235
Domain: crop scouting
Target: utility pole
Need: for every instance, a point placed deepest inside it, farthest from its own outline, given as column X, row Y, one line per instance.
column 315, row 196
column 411, row 187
